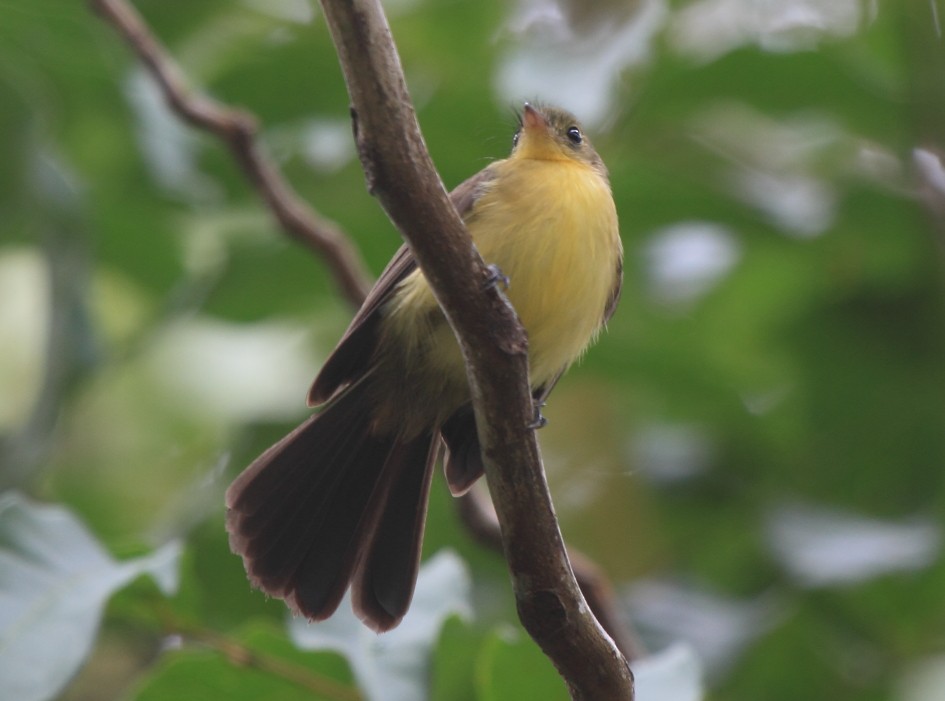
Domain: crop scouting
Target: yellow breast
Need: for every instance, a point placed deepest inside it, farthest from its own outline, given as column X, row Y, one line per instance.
column 551, row 227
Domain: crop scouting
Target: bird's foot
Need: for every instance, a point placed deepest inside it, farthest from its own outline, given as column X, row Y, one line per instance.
column 496, row 276
column 539, row 421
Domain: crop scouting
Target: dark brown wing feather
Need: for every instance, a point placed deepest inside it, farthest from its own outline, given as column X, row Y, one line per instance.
column 615, row 293
column 352, row 356
column 354, row 352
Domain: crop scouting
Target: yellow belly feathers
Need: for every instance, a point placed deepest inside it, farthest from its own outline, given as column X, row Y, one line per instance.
column 551, row 227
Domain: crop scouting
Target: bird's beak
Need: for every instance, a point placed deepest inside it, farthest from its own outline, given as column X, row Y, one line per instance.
column 537, row 137
column 533, row 119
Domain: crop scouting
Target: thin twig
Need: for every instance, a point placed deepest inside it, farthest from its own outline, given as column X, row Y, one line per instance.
column 401, row 174
column 238, row 129
column 239, row 654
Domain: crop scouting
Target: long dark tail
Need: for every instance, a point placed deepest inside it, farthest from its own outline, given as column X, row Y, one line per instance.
column 332, row 504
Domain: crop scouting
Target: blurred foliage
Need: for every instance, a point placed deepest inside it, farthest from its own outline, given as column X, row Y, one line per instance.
column 779, row 349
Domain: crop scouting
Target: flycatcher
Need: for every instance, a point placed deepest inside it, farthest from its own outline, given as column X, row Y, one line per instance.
column 341, row 501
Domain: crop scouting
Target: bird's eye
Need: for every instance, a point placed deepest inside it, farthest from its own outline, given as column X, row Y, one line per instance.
column 518, row 133
column 574, row 135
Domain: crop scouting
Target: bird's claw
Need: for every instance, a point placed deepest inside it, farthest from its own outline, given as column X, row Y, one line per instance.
column 539, row 421
column 496, row 276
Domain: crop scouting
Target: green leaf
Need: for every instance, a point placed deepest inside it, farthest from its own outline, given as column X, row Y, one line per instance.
column 257, row 663
column 453, row 671
column 393, row 667
column 55, row 580
column 513, row 668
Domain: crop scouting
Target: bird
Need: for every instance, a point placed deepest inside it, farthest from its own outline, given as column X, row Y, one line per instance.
column 341, row 500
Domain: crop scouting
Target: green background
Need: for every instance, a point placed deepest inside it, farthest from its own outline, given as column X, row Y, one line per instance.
column 754, row 451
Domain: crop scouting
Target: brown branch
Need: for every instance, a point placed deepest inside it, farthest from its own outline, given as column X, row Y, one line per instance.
column 238, row 130
column 480, row 521
column 400, row 173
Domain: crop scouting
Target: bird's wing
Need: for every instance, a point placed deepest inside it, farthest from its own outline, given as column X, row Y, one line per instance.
column 352, row 357
column 614, row 293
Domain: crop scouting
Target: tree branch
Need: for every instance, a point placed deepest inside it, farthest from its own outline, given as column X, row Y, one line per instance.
column 480, row 521
column 238, row 130
column 400, row 173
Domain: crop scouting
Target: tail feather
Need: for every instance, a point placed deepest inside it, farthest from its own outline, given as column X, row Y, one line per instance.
column 318, row 503
column 277, row 498
column 324, row 456
column 263, row 532
column 464, row 464
column 323, row 521
column 331, row 424
column 383, row 583
column 333, row 546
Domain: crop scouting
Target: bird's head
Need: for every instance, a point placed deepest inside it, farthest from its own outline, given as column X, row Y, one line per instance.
column 552, row 134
